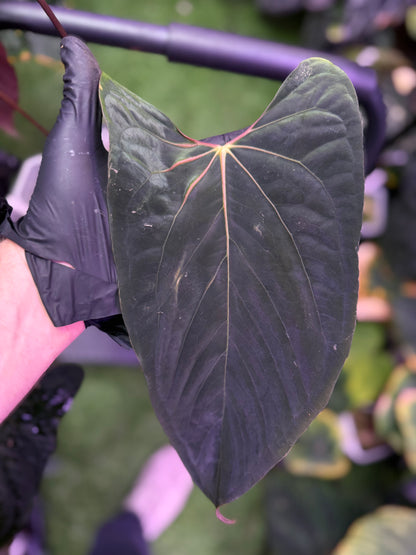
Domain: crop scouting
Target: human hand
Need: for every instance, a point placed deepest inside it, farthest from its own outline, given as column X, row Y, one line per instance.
column 65, row 232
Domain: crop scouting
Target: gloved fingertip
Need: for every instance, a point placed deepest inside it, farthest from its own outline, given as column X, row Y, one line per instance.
column 73, row 42
column 78, row 59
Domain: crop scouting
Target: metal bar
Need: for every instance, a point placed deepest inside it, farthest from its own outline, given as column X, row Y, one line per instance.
column 203, row 47
column 101, row 29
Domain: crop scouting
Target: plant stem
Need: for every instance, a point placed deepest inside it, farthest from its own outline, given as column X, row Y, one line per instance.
column 53, row 18
column 5, row 98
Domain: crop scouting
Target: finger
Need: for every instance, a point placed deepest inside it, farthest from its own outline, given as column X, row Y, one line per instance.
column 80, row 105
column 81, row 68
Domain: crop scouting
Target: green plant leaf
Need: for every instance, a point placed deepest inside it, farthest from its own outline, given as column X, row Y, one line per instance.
column 388, row 531
column 308, row 516
column 317, row 452
column 237, row 267
column 386, row 419
column 405, row 409
column 368, row 365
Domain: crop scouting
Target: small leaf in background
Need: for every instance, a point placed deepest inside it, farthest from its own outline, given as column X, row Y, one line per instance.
column 303, row 515
column 385, row 419
column 363, row 19
column 237, row 265
column 373, row 305
column 404, row 308
column 317, row 452
column 9, row 88
column 405, row 409
column 391, row 530
column 398, row 242
column 368, row 365
column 309, row 516
column 399, row 251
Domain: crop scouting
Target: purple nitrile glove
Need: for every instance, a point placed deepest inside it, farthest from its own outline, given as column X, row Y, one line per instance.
column 65, row 232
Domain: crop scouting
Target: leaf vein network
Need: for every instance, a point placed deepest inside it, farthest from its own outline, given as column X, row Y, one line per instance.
column 259, row 400
column 287, row 230
column 189, row 190
column 253, row 128
column 196, row 310
column 259, row 330
column 272, row 303
column 287, row 159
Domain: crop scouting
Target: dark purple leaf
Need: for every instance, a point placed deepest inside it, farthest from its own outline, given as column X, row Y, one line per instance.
column 237, row 268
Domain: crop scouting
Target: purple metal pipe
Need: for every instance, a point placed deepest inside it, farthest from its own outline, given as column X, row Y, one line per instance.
column 202, row 47
column 231, row 52
column 180, row 43
column 97, row 28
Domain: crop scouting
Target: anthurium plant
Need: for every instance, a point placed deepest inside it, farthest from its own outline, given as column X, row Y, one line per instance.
column 237, row 266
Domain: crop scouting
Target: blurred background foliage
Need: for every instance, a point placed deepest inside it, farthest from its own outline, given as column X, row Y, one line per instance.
column 349, row 485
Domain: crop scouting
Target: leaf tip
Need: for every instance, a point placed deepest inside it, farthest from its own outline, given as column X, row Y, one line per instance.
column 223, row 518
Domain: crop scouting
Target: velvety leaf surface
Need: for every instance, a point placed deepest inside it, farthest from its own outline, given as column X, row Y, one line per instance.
column 237, row 268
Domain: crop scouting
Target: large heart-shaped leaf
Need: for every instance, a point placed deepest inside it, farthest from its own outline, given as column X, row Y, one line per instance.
column 237, row 268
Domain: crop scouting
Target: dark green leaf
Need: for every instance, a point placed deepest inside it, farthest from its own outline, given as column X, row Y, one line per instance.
column 386, row 411
column 368, row 365
column 406, row 419
column 304, row 515
column 307, row 516
column 397, row 243
column 237, row 268
column 317, row 452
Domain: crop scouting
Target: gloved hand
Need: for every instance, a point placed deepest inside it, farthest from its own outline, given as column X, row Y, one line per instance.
column 67, row 219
